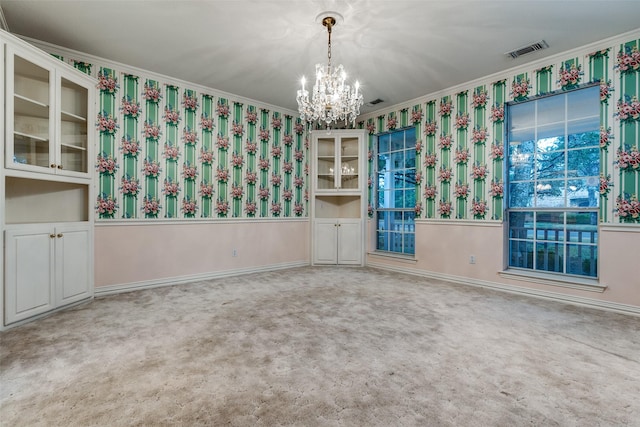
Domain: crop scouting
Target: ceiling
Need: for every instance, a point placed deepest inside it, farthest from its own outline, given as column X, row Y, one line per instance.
column 259, row 49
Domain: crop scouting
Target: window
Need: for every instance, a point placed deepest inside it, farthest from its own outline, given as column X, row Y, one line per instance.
column 553, row 183
column 396, row 191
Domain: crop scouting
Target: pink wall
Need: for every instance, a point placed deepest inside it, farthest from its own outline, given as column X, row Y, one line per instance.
column 455, row 244
column 619, row 258
column 620, row 264
column 146, row 252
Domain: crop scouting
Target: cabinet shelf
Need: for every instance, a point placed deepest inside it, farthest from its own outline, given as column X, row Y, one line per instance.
column 24, row 106
column 74, row 147
column 33, row 137
column 70, row 117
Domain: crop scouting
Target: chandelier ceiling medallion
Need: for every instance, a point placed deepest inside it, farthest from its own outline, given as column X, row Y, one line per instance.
column 331, row 100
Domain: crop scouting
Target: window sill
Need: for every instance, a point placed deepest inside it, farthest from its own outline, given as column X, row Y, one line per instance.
column 398, row 257
column 583, row 284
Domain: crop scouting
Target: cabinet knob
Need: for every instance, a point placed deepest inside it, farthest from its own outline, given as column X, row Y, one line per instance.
column 59, row 234
column 52, row 166
column 53, row 236
column 59, row 166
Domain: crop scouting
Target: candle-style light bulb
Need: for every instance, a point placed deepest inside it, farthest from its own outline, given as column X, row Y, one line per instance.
column 357, row 87
column 303, row 80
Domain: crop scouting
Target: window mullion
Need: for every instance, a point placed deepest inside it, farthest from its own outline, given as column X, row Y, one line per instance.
column 566, row 153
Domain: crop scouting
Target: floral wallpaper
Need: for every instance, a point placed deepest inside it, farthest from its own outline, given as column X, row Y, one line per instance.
column 460, row 136
column 170, row 152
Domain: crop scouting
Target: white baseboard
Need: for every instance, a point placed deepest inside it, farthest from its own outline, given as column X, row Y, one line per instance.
column 554, row 296
column 169, row 281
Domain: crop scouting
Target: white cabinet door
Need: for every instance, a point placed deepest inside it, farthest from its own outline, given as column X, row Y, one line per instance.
column 46, row 267
column 30, row 102
column 73, row 263
column 337, row 241
column 29, row 283
column 325, row 242
column 349, row 242
column 75, row 104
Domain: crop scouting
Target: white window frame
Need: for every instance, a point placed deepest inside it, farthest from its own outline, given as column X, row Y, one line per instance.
column 406, row 228
column 538, row 237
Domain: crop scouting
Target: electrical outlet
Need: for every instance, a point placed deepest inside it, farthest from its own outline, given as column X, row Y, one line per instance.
column 234, row 253
column 472, row 259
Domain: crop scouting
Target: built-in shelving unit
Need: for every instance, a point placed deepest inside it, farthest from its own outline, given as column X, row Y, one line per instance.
column 47, row 195
column 339, row 199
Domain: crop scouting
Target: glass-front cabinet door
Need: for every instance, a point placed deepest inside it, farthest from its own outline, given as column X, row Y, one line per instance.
column 326, row 164
column 73, row 126
column 30, row 124
column 349, row 161
column 47, row 117
column 338, row 163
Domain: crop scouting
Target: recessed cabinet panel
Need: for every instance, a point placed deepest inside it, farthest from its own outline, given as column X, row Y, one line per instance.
column 28, row 268
column 349, row 242
column 326, row 242
column 72, row 264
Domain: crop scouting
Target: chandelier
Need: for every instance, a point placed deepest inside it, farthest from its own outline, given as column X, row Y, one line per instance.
column 332, row 100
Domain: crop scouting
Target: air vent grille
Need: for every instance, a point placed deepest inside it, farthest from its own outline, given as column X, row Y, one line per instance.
column 374, row 102
column 528, row 49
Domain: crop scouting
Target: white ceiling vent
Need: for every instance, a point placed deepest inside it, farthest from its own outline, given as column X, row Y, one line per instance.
column 374, row 102
column 528, row 49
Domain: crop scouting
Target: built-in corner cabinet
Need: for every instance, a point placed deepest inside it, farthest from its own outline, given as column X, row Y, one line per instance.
column 47, row 182
column 338, row 201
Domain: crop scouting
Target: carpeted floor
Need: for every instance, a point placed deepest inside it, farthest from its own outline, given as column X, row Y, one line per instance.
column 325, row 346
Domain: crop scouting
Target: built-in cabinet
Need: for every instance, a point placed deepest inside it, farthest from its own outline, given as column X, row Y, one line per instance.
column 338, row 202
column 47, row 266
column 47, row 182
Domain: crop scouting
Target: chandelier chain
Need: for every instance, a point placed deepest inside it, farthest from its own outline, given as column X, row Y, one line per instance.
column 328, row 24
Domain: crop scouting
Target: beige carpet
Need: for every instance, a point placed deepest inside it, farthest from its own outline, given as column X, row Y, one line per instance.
column 322, row 347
